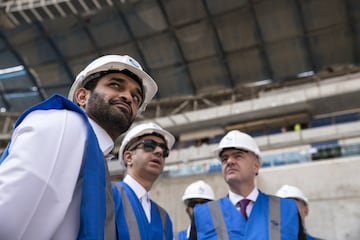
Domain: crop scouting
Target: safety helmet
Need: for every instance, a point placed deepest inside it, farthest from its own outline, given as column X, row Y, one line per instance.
column 117, row 63
column 198, row 189
column 240, row 140
column 287, row 191
column 143, row 129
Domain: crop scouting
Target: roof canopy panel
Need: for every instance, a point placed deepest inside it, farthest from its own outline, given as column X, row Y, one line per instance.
column 209, row 51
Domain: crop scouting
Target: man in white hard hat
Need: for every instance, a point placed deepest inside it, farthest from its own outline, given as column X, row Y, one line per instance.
column 246, row 212
column 292, row 192
column 143, row 151
column 197, row 192
column 54, row 180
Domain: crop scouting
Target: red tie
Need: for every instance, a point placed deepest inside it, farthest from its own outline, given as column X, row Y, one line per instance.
column 243, row 204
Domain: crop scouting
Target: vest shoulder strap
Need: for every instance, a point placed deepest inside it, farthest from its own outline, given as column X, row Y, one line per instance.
column 129, row 213
column 274, row 218
column 162, row 213
column 109, row 230
column 218, row 220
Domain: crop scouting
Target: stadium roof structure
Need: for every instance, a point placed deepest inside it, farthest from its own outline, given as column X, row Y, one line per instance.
column 202, row 53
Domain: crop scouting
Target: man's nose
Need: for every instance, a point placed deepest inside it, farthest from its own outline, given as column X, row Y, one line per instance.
column 158, row 152
column 230, row 160
column 126, row 95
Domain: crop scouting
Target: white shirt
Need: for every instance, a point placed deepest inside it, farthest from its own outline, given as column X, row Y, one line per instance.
column 235, row 198
column 141, row 193
column 40, row 188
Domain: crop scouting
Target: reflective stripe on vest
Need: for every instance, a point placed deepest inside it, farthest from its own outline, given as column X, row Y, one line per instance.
column 218, row 220
column 274, row 219
column 162, row 213
column 109, row 231
column 130, row 215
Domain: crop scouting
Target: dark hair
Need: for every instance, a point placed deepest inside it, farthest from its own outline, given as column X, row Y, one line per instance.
column 92, row 81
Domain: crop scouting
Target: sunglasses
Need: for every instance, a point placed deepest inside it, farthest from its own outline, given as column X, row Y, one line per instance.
column 149, row 146
column 192, row 204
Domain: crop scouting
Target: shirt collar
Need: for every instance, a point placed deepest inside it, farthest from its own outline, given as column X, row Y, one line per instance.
column 105, row 141
column 135, row 186
column 235, row 198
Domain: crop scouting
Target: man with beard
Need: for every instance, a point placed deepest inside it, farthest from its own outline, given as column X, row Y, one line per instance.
column 54, row 181
column 143, row 151
column 246, row 212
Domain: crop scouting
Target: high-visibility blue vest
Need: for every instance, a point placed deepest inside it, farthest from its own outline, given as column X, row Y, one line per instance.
column 131, row 220
column 93, row 211
column 228, row 223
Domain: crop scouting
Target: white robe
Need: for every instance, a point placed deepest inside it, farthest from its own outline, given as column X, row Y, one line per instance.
column 40, row 187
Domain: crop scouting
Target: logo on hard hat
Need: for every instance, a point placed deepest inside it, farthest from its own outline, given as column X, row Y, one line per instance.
column 134, row 63
column 201, row 190
column 229, row 138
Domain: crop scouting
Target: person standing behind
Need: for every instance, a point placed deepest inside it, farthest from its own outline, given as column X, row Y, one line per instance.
column 246, row 212
column 54, row 180
column 197, row 192
column 143, row 151
column 292, row 192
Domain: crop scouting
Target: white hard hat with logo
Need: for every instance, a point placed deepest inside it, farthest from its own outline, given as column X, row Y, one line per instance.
column 116, row 63
column 198, row 189
column 239, row 140
column 144, row 129
column 288, row 191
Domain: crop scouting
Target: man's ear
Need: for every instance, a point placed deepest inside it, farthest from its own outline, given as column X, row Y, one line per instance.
column 257, row 165
column 189, row 211
column 81, row 96
column 128, row 158
column 306, row 210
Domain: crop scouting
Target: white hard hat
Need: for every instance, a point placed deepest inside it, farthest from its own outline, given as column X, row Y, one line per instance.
column 240, row 140
column 143, row 129
column 118, row 63
column 287, row 191
column 198, row 189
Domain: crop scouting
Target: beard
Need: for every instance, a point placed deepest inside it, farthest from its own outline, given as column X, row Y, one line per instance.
column 112, row 119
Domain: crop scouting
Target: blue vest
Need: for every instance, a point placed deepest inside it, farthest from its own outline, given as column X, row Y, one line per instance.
column 157, row 229
column 257, row 225
column 93, row 172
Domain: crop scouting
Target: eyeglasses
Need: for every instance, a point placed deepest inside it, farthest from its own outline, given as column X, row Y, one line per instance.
column 149, row 145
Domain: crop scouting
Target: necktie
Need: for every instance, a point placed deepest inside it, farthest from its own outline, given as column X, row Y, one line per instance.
column 243, row 204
